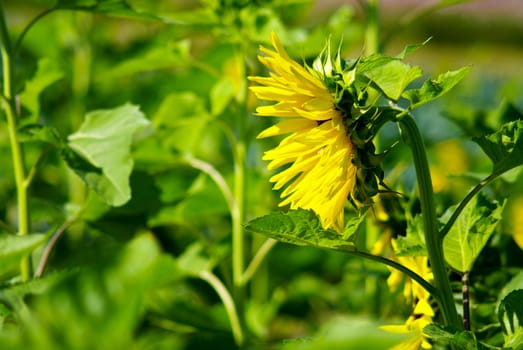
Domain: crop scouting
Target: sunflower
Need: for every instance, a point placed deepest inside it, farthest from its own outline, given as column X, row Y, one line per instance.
column 320, row 173
column 414, row 328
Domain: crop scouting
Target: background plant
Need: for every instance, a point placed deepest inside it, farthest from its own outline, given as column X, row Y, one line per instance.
column 138, row 240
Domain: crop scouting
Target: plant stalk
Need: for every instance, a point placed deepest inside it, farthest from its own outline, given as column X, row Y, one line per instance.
column 433, row 239
column 228, row 303
column 16, row 147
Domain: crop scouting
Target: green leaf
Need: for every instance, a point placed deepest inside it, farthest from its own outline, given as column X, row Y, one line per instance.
column 413, row 244
column 221, row 94
column 504, row 147
column 193, row 260
column 510, row 315
column 39, row 132
column 411, row 48
column 167, row 56
column 180, row 120
column 107, row 301
column 13, row 248
column 463, row 340
column 100, row 151
column 390, row 74
column 432, row 89
column 46, row 74
column 470, row 232
column 302, row 227
column 346, row 333
column 515, row 283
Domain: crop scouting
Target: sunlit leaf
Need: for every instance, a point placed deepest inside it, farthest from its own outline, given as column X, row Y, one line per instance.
column 391, row 75
column 504, row 147
column 302, row 227
column 510, row 315
column 46, row 74
column 101, row 153
column 432, row 89
column 413, row 243
column 411, row 48
column 470, row 232
column 13, row 248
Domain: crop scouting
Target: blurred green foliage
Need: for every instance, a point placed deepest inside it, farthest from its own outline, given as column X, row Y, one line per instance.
column 150, row 215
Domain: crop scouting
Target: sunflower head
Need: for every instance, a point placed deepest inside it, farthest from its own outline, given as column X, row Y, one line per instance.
column 327, row 155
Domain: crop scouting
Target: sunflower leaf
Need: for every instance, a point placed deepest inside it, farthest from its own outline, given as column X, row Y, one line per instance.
column 100, row 151
column 302, row 227
column 465, row 340
column 413, row 244
column 389, row 74
column 504, row 147
column 12, row 248
column 471, row 231
column 47, row 73
column 432, row 89
column 510, row 315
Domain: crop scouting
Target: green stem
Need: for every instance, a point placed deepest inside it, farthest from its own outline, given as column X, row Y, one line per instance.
column 215, row 175
column 238, row 212
column 372, row 42
column 238, row 240
column 433, row 239
column 464, row 203
column 228, row 303
column 16, row 148
column 18, row 43
column 258, row 259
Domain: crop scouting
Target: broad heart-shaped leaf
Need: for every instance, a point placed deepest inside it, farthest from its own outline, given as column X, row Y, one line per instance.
column 470, row 232
column 413, row 244
column 510, row 315
column 504, row 147
column 389, row 74
column 103, row 143
column 302, row 227
column 13, row 248
column 432, row 89
column 46, row 74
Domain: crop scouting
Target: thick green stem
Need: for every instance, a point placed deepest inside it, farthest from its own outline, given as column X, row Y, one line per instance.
column 433, row 238
column 16, row 148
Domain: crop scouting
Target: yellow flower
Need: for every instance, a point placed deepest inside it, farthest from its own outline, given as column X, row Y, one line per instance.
column 412, row 291
column 318, row 152
column 414, row 326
